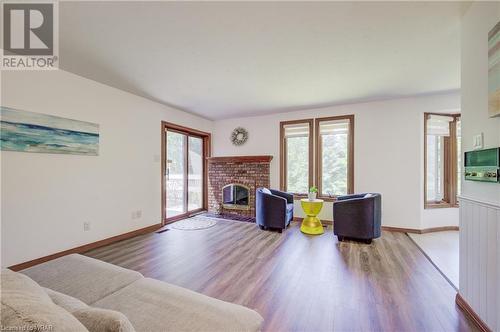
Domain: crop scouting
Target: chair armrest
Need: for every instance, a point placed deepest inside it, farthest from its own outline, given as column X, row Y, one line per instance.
column 344, row 197
column 287, row 196
column 274, row 200
column 350, row 202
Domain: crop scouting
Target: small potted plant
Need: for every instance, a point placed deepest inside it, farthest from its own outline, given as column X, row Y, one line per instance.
column 313, row 191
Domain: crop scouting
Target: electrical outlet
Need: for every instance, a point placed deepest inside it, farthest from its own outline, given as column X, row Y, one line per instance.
column 86, row 226
column 138, row 214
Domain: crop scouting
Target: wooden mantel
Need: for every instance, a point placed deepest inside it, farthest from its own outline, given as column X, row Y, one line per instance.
column 240, row 159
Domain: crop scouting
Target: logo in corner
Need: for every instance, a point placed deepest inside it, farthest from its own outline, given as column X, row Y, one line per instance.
column 29, row 36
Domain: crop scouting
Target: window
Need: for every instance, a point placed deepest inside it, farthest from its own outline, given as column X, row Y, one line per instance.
column 333, row 146
column 334, row 155
column 442, row 159
column 459, row 155
column 296, row 153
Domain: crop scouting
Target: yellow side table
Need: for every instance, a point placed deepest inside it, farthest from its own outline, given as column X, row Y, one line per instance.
column 311, row 223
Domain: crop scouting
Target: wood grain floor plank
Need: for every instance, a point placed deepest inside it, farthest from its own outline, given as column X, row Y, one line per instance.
column 299, row 282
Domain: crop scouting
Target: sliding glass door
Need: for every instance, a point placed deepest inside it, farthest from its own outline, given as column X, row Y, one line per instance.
column 195, row 173
column 184, row 173
column 176, row 174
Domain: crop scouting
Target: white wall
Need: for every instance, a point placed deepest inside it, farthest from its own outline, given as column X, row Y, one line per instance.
column 388, row 151
column 480, row 207
column 47, row 197
column 439, row 217
column 480, row 18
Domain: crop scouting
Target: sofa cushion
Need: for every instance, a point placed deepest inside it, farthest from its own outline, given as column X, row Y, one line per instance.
column 26, row 307
column 94, row 319
column 153, row 305
column 82, row 277
column 68, row 303
column 103, row 320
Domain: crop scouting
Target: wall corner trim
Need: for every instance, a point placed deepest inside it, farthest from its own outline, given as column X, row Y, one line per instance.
column 480, row 202
column 467, row 309
column 420, row 231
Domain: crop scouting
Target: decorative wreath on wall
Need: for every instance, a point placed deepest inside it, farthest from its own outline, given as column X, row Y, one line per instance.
column 239, row 136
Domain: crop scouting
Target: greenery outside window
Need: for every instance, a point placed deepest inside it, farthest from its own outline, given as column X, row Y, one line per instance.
column 334, row 155
column 332, row 141
column 296, row 152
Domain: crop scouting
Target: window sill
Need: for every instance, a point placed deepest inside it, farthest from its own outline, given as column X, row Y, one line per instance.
column 439, row 205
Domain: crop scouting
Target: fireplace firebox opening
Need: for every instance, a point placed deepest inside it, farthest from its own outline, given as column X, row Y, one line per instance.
column 236, row 196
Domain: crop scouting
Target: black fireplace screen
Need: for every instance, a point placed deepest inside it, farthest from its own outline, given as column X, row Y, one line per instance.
column 235, row 194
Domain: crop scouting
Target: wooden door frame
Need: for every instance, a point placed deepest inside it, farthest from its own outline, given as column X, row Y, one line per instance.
column 206, row 137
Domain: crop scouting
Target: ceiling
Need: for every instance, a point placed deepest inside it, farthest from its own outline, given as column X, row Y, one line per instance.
column 230, row 59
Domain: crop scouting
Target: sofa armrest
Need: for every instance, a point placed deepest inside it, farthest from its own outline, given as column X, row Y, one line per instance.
column 287, row 196
column 84, row 278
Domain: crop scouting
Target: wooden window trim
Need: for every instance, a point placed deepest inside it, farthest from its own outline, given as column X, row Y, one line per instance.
column 438, row 205
column 350, row 149
column 283, row 154
column 450, row 168
column 452, row 164
column 207, row 139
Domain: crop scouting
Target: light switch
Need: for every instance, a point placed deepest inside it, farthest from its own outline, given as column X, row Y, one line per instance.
column 477, row 141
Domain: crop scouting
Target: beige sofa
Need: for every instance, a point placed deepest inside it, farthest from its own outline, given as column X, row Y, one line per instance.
column 92, row 289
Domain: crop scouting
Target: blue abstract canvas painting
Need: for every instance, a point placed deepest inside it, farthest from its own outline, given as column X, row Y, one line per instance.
column 42, row 133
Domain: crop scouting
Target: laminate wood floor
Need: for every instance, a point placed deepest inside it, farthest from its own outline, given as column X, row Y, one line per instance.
column 299, row 282
column 442, row 248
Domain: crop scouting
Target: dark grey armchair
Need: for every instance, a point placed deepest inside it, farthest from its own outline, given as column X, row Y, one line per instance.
column 357, row 216
column 273, row 209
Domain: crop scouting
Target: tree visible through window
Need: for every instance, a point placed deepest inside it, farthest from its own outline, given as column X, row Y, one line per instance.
column 296, row 155
column 333, row 144
column 334, row 157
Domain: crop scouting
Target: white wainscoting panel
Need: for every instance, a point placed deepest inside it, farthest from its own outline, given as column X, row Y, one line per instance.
column 480, row 258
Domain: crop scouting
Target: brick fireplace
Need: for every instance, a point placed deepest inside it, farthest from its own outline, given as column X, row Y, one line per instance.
column 247, row 171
